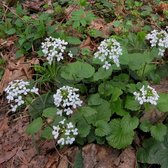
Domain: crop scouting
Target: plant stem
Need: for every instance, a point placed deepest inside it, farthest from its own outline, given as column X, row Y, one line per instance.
column 143, row 71
column 35, row 144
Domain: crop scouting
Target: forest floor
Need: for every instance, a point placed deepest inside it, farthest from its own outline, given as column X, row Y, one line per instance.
column 18, row 150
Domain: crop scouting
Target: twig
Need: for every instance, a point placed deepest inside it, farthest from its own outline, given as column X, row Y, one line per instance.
column 162, row 118
column 152, row 23
column 4, row 16
column 62, row 156
column 67, row 15
column 20, row 117
column 12, row 11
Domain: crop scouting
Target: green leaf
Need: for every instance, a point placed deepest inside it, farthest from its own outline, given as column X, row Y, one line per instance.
column 131, row 88
column 91, row 137
column 145, row 126
column 116, row 23
column 95, row 33
column 158, row 131
column 116, row 93
column 34, row 126
column 58, row 119
column 10, row 31
column 154, row 152
column 94, row 100
column 83, row 128
column 102, row 74
column 19, row 53
column 118, row 138
column 47, row 133
column 88, row 113
column 136, row 61
column 117, row 107
column 129, row 123
column 51, row 29
column 162, row 102
column 21, row 41
column 1, row 73
column 105, row 89
column 122, row 78
column 77, row 71
column 132, row 104
column 147, row 70
column 103, row 111
column 40, row 104
column 49, row 112
column 83, row 22
column 73, row 40
column 78, row 163
column 102, row 128
column 100, row 140
column 19, row 23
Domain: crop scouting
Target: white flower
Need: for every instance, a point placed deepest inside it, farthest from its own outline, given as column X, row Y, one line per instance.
column 34, row 90
column 70, row 54
column 70, row 125
column 109, row 52
column 59, row 112
column 106, row 65
column 67, row 98
column 62, row 122
column 55, row 131
column 16, row 91
column 68, row 111
column 69, row 140
column 146, row 95
column 54, row 48
column 65, row 133
column 75, row 131
column 61, row 141
column 158, row 39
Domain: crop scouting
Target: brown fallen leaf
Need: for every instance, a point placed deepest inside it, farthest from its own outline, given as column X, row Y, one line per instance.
column 89, row 44
column 100, row 25
column 162, row 87
column 7, row 156
column 119, row 8
column 70, row 9
column 153, row 115
column 3, row 126
column 17, row 69
column 86, row 43
column 99, row 156
column 127, row 159
column 24, row 166
column 7, row 42
column 20, row 154
column 53, row 160
column 34, row 5
column 162, row 7
column 63, row 162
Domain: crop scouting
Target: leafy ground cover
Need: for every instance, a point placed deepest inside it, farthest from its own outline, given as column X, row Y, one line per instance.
column 84, row 83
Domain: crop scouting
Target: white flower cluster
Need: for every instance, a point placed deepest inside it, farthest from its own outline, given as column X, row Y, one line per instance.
column 108, row 52
column 66, row 132
column 54, row 48
column 65, row 99
column 16, row 90
column 146, row 95
column 158, row 39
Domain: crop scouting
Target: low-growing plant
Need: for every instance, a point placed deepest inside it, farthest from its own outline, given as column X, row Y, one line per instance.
column 80, row 19
column 94, row 96
column 2, row 63
column 105, row 98
column 30, row 31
